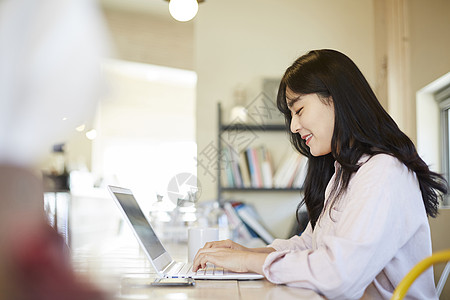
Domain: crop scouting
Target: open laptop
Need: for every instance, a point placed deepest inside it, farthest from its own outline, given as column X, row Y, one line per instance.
column 161, row 260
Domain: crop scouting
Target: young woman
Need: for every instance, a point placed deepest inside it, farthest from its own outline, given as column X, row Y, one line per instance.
column 367, row 191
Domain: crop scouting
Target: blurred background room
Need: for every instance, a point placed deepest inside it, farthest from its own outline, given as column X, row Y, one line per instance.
column 159, row 130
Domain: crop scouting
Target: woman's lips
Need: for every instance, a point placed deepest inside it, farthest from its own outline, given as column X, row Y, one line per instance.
column 307, row 138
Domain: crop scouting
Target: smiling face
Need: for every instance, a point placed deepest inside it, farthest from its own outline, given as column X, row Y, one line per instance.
column 313, row 120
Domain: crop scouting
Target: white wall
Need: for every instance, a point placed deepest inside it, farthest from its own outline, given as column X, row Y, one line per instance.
column 429, row 23
column 430, row 67
column 146, row 127
column 430, row 41
column 238, row 41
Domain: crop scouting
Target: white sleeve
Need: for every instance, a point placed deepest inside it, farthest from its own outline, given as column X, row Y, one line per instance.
column 296, row 242
column 383, row 209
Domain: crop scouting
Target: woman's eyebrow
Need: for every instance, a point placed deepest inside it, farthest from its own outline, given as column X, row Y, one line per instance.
column 291, row 101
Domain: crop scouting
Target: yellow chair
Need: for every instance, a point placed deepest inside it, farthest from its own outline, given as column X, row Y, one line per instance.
column 438, row 257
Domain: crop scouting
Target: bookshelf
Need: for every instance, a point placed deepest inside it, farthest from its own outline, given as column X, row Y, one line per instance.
column 238, row 127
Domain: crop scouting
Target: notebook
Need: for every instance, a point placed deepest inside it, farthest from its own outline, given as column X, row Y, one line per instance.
column 160, row 259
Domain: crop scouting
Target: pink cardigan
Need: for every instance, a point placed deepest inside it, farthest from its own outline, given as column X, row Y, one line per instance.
column 375, row 234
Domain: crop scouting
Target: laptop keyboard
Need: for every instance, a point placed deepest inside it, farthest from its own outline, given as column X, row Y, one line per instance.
column 185, row 270
column 210, row 271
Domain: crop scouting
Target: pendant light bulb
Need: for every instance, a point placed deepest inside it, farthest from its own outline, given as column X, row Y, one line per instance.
column 183, row 10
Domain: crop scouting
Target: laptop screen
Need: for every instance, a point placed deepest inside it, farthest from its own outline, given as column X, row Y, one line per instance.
column 140, row 224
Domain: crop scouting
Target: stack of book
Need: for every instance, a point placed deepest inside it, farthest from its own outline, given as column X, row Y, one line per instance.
column 246, row 223
column 253, row 168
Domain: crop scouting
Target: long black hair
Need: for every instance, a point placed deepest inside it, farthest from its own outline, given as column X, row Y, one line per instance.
column 361, row 126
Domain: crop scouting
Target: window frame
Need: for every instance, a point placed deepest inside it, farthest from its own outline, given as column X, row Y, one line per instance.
column 443, row 98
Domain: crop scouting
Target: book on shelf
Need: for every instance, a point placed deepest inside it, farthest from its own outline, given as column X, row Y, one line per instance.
column 266, row 167
column 257, row 162
column 238, row 226
column 250, row 217
column 232, row 168
column 301, row 173
column 291, row 172
column 260, row 166
column 246, row 224
column 252, row 168
column 237, row 175
column 229, row 176
column 242, row 170
column 245, row 172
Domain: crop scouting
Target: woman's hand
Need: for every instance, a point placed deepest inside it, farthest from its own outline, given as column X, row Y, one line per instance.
column 230, row 259
column 235, row 246
column 226, row 244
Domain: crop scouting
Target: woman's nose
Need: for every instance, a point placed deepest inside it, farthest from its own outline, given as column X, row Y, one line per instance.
column 295, row 125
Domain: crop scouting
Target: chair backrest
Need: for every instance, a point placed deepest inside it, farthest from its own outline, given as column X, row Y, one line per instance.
column 403, row 286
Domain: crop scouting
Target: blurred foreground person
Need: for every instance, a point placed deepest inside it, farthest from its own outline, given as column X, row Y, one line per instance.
column 49, row 84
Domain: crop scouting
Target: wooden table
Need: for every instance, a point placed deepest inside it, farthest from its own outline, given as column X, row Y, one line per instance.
column 122, row 270
column 218, row 289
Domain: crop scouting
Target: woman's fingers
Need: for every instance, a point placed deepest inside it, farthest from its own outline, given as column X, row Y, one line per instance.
column 197, row 263
column 225, row 244
column 219, row 253
column 207, row 258
column 233, row 260
column 201, row 258
column 227, row 258
column 215, row 244
column 219, row 244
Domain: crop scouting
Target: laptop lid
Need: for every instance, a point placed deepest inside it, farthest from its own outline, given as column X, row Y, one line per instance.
column 142, row 229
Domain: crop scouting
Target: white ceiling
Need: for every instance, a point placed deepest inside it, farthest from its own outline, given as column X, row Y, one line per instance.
column 155, row 7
